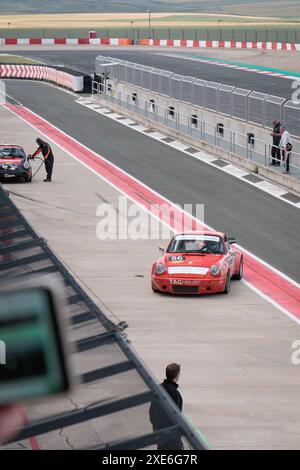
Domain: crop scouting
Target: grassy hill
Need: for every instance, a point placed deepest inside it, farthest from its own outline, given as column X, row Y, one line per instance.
column 284, row 8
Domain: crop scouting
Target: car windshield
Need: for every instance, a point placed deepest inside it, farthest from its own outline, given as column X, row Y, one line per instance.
column 205, row 244
column 11, row 152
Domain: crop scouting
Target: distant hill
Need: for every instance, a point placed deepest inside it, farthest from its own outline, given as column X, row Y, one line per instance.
column 252, row 7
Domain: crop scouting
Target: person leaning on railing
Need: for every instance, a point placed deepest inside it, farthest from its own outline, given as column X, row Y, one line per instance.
column 286, row 147
column 276, row 153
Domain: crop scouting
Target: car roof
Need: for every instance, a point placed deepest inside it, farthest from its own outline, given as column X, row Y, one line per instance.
column 201, row 232
column 11, row 145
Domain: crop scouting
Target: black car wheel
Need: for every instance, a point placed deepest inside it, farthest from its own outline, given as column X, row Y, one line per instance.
column 227, row 285
column 239, row 275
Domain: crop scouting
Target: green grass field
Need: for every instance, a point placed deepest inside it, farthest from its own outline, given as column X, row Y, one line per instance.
column 16, row 59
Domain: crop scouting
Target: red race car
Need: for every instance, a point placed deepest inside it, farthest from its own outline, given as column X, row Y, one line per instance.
column 197, row 263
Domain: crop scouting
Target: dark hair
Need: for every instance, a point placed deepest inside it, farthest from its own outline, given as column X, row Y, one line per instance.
column 39, row 141
column 172, row 371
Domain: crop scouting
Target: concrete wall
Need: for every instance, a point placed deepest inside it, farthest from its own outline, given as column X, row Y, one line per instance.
column 231, row 124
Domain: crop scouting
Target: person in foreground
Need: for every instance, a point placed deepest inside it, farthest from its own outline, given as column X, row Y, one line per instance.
column 157, row 415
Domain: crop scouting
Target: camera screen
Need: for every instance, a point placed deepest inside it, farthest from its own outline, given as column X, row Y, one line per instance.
column 31, row 357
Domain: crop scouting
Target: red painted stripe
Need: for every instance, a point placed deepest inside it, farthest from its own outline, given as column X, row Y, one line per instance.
column 11, row 41
column 260, row 276
column 60, row 41
column 33, row 41
column 33, row 440
column 83, row 41
column 170, row 42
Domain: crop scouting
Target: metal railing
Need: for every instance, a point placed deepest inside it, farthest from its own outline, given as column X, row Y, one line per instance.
column 239, row 103
column 191, row 125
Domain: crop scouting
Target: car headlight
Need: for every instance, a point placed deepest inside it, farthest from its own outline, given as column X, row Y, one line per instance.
column 215, row 270
column 26, row 165
column 160, row 268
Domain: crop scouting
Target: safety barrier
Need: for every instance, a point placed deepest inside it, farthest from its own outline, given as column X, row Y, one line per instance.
column 239, row 103
column 65, row 41
column 69, row 79
column 254, row 150
column 221, row 44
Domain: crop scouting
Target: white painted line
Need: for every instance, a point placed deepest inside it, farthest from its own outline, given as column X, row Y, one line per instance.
column 127, row 122
column 204, row 157
column 271, row 188
column 139, row 128
column 178, row 145
column 233, row 170
column 157, row 135
column 115, row 116
column 271, row 301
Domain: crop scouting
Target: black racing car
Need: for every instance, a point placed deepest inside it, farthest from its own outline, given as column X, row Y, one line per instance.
column 14, row 163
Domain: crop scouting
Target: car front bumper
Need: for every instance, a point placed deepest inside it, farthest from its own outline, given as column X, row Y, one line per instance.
column 6, row 173
column 188, row 286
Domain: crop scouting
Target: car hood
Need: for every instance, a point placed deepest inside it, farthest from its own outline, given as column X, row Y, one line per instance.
column 177, row 259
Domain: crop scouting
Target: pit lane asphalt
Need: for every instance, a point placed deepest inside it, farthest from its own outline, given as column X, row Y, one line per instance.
column 261, row 223
column 84, row 60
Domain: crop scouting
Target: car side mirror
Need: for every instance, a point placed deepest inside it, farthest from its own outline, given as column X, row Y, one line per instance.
column 232, row 240
column 161, row 250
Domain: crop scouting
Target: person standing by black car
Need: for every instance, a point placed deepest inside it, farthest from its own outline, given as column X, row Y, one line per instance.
column 276, row 151
column 157, row 415
column 45, row 149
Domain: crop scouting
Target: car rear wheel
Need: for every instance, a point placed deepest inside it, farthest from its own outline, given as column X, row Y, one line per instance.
column 239, row 275
column 227, row 285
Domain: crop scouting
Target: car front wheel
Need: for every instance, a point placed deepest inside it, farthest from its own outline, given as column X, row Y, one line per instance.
column 227, row 285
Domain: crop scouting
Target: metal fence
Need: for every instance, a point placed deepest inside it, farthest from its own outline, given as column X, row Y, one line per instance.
column 247, row 105
column 246, row 146
column 114, row 387
column 203, row 34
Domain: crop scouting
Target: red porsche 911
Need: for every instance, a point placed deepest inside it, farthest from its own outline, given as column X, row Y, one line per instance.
column 197, row 263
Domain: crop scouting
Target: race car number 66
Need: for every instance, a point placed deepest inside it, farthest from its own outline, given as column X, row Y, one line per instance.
column 179, row 459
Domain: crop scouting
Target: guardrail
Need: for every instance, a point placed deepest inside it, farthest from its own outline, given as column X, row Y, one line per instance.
column 67, row 78
column 190, row 125
column 39, row 41
column 239, row 103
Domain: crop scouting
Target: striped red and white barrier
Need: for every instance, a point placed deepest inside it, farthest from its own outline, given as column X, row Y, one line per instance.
column 221, row 44
column 287, row 46
column 65, row 41
column 40, row 72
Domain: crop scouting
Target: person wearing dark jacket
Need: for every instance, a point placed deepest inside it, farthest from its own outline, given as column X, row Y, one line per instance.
column 158, row 417
column 47, row 153
column 276, row 152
